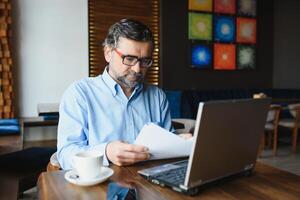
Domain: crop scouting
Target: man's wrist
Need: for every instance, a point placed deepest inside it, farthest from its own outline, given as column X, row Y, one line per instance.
column 105, row 153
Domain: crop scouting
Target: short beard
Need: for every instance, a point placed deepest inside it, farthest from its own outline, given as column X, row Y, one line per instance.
column 130, row 84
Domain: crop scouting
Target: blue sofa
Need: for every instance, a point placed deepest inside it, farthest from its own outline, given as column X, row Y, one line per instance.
column 184, row 104
column 9, row 127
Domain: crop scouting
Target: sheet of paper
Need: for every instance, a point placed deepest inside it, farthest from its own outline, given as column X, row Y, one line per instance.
column 162, row 143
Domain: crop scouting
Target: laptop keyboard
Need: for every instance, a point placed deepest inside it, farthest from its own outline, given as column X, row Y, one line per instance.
column 173, row 176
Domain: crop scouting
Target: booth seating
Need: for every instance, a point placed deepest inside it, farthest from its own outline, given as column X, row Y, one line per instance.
column 184, row 103
column 9, row 127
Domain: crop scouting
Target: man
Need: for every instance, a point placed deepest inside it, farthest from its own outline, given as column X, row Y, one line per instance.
column 106, row 113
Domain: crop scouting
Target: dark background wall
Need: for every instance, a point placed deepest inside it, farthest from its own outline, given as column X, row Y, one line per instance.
column 286, row 44
column 175, row 70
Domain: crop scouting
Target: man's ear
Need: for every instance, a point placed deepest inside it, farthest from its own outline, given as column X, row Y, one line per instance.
column 107, row 53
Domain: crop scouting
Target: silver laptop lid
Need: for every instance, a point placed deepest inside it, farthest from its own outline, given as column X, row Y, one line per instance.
column 227, row 135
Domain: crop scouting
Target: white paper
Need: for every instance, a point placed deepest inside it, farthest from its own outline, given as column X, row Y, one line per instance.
column 163, row 144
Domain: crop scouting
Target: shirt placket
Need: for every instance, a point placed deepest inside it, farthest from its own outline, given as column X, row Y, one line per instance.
column 129, row 122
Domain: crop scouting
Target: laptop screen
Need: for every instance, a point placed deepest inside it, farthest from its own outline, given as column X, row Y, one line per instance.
column 227, row 135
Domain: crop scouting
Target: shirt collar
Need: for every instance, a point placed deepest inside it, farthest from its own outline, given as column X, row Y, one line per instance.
column 109, row 81
column 113, row 85
column 139, row 87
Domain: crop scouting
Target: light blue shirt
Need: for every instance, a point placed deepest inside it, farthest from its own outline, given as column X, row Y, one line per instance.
column 95, row 111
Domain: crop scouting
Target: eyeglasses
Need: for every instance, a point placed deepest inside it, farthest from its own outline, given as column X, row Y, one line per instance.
column 132, row 60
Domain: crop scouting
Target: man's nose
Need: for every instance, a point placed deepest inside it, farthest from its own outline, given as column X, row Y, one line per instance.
column 136, row 67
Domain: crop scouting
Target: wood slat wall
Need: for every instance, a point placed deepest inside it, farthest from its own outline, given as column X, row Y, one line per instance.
column 6, row 89
column 102, row 14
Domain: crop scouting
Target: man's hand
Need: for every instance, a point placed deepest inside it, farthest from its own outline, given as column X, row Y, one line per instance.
column 121, row 153
column 185, row 135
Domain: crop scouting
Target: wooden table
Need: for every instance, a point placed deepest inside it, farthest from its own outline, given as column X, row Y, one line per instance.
column 38, row 121
column 266, row 183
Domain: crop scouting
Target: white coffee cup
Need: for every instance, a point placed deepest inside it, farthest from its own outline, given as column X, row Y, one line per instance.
column 88, row 164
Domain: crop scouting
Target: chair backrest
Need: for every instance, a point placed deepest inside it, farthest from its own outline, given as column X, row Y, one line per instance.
column 273, row 114
column 274, row 110
column 53, row 164
column 294, row 109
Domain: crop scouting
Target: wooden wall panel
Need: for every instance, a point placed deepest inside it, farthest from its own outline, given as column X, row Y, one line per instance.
column 102, row 14
column 6, row 89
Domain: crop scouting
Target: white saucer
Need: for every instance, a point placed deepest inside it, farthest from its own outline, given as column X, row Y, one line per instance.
column 72, row 177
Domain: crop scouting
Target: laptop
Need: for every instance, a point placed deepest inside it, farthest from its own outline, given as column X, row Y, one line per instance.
column 226, row 140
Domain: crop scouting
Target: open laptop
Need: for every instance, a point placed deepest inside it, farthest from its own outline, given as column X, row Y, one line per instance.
column 227, row 135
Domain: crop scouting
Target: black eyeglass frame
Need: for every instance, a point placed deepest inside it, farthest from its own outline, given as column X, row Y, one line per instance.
column 137, row 59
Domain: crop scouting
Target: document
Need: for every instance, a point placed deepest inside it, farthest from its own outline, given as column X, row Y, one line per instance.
column 163, row 144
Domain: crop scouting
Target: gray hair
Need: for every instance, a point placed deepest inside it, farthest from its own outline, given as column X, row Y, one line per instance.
column 129, row 29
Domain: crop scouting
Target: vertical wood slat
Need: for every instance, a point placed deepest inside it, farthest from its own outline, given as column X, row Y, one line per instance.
column 154, row 80
column 6, row 88
column 102, row 14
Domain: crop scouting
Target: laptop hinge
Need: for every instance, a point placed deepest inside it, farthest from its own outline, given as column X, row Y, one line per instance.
column 183, row 187
column 196, row 183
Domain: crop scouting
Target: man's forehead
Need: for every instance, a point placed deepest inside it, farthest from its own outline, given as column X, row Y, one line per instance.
column 126, row 41
column 136, row 48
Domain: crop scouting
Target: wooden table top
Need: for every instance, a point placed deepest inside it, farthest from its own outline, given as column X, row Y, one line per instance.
column 266, row 183
column 38, row 121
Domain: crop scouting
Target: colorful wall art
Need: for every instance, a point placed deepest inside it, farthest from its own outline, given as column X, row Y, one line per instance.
column 247, row 8
column 201, row 5
column 200, row 27
column 224, row 56
column 246, row 57
column 224, row 28
column 201, row 55
column 246, row 30
column 222, row 34
column 224, row 6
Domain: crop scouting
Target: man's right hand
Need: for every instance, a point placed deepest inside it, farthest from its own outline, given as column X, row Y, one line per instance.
column 122, row 154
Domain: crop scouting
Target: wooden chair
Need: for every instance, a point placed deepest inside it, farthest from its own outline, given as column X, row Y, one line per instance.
column 53, row 164
column 292, row 124
column 271, row 127
column 188, row 125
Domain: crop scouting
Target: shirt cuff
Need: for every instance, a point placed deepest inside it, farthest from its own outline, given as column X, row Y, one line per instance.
column 101, row 148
